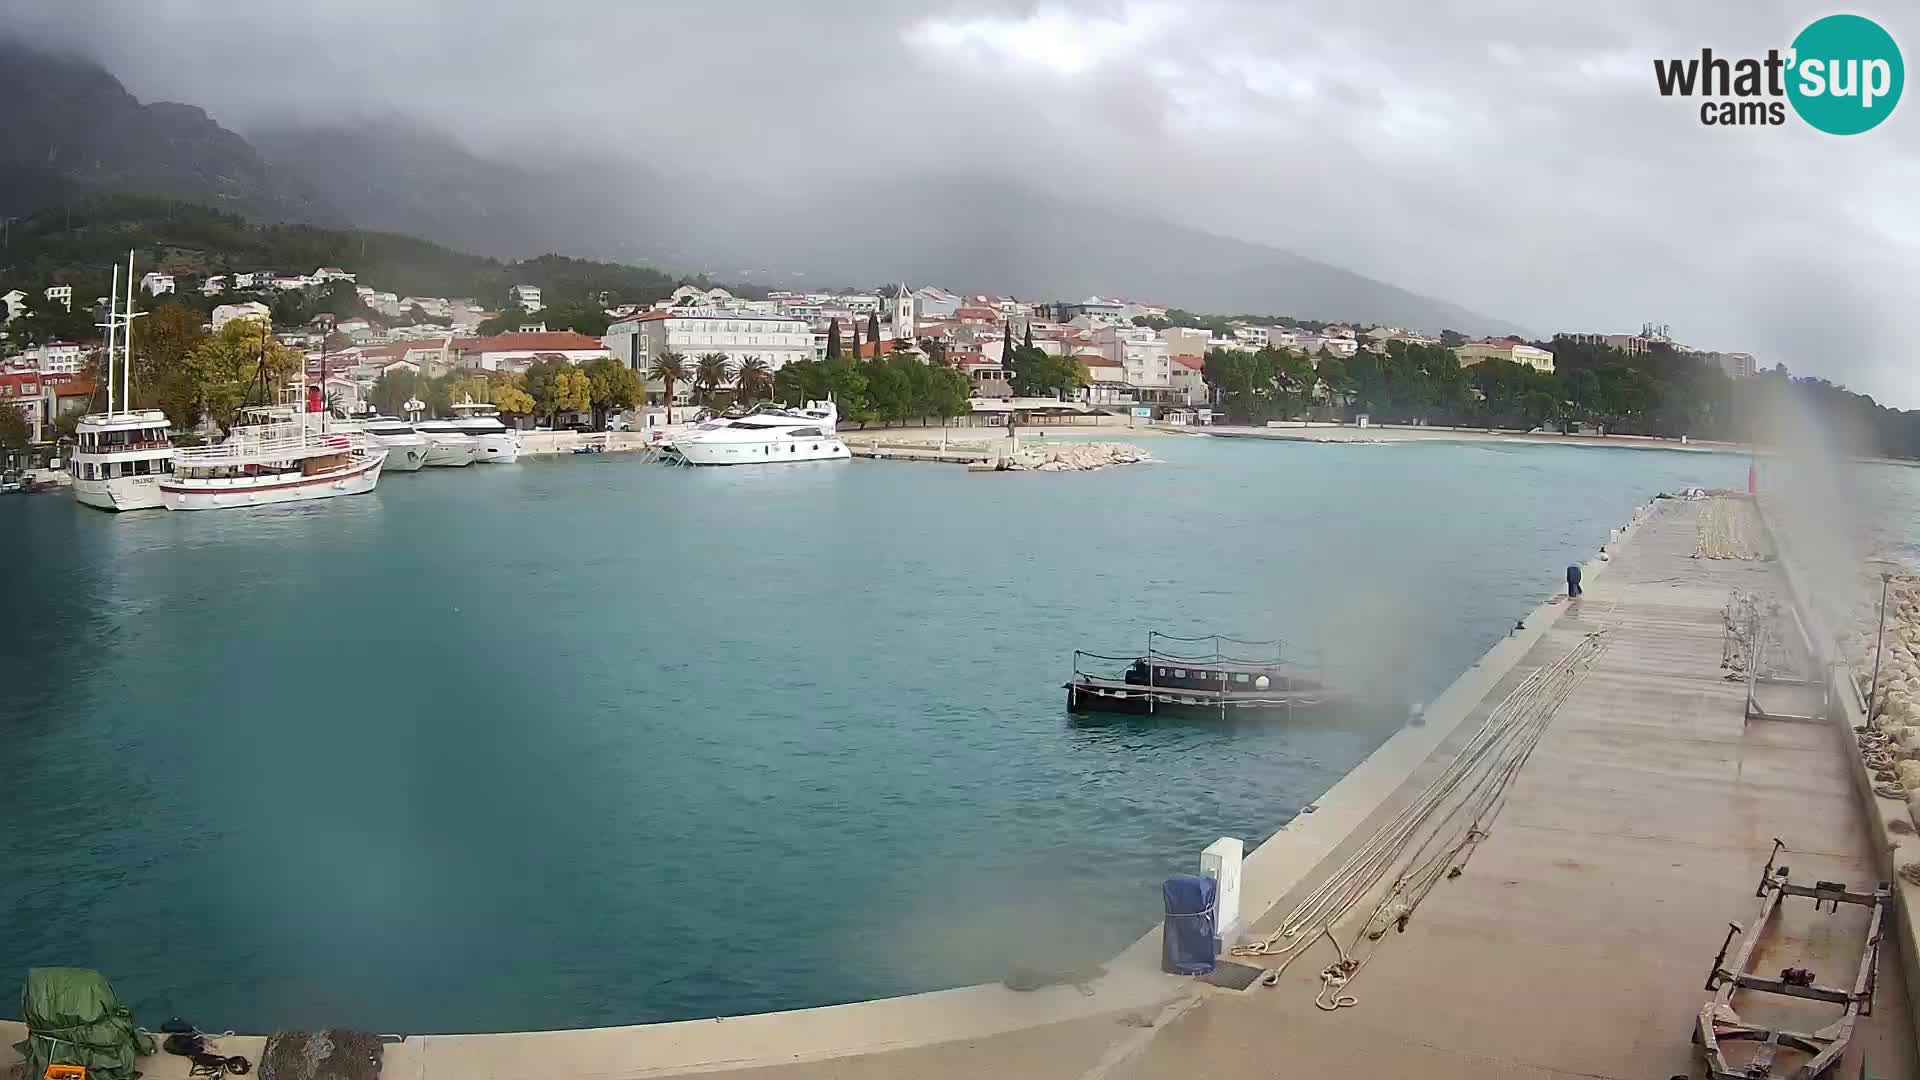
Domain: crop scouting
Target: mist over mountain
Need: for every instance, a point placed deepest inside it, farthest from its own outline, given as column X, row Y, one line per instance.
column 73, row 129
column 68, row 120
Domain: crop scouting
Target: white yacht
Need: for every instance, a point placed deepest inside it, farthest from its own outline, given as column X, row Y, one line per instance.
column 120, row 456
column 281, row 453
column 767, row 435
column 478, row 423
column 407, row 449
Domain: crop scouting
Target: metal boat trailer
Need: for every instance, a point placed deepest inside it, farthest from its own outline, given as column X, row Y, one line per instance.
column 1719, row 1023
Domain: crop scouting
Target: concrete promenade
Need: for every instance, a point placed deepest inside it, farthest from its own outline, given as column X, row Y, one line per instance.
column 1574, row 944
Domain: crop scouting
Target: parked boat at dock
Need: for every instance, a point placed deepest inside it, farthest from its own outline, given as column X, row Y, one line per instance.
column 283, row 453
column 120, row 456
column 493, row 441
column 1192, row 676
column 769, row 434
column 407, row 449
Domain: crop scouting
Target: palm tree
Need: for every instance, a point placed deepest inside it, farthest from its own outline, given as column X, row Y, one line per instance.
column 712, row 371
column 751, row 377
column 669, row 367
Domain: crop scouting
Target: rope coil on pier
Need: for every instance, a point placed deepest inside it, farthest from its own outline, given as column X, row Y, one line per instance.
column 1432, row 837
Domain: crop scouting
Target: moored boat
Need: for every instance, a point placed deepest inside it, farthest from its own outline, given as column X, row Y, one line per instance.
column 283, row 453
column 120, row 456
column 406, row 448
column 770, row 434
column 1192, row 676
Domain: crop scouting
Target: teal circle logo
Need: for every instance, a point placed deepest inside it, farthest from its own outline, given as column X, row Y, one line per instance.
column 1846, row 74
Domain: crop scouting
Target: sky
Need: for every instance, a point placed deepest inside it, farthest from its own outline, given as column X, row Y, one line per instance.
column 1512, row 158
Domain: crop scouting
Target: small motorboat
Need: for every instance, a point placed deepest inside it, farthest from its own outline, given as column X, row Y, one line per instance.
column 1192, row 676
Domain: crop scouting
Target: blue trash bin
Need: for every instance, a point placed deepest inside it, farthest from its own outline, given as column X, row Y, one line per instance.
column 1186, row 940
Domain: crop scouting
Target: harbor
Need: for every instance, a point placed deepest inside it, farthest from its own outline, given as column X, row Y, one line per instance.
column 1575, row 940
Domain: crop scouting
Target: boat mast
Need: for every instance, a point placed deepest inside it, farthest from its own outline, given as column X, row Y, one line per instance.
column 126, row 340
column 113, row 311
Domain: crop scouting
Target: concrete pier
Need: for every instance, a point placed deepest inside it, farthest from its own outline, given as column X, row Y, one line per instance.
column 1575, row 943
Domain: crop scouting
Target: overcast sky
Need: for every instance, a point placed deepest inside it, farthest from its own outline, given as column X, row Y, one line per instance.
column 1513, row 158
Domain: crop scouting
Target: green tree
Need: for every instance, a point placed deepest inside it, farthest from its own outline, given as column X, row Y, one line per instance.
column 572, row 390
column 668, row 369
column 393, row 389
column 873, row 330
column 240, row 363
column 751, row 380
column 936, row 350
column 15, row 432
column 511, row 397
column 340, row 299
column 833, row 340
column 539, row 385
column 1037, row 373
column 712, row 373
column 615, row 388
column 165, row 376
column 290, row 308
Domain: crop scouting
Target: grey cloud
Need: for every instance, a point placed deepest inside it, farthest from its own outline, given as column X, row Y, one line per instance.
column 1513, row 158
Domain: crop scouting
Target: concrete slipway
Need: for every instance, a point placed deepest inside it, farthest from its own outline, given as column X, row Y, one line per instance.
column 1574, row 945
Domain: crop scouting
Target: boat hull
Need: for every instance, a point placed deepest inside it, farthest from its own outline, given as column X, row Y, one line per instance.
column 770, row 452
column 500, row 449
column 404, row 454
column 445, row 453
column 120, row 493
column 239, row 492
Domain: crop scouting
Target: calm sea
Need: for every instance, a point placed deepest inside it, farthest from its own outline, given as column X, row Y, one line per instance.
column 590, row 741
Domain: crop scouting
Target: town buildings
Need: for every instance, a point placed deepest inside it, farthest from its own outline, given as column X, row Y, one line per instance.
column 516, row 352
column 62, row 295
column 693, row 331
column 249, row 309
column 155, row 283
column 58, row 358
column 1518, row 352
column 527, row 296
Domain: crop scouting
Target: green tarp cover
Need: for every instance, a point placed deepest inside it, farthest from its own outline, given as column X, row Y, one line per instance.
column 73, row 1018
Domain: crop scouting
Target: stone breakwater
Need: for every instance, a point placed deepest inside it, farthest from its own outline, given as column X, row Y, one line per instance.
column 1890, row 745
column 1070, row 457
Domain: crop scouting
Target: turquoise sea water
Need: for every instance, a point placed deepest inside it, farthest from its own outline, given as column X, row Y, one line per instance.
column 589, row 741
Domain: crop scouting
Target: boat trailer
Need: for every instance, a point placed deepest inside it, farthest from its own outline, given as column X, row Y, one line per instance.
column 1719, row 1023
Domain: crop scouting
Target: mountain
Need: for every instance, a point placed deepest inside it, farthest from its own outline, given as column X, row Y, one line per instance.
column 71, row 131
column 973, row 233
column 67, row 122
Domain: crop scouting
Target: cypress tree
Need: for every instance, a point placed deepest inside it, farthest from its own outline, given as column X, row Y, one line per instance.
column 855, row 325
column 833, row 340
column 873, row 330
column 1029, row 341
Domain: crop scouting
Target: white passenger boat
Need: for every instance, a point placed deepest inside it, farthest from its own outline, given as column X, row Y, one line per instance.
column 407, row 449
column 769, row 434
column 120, row 456
column 281, row 453
column 478, row 423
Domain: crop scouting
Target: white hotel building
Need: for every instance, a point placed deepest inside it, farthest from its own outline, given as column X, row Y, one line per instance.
column 691, row 331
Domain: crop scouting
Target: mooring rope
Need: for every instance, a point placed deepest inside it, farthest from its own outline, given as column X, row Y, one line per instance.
column 1460, row 804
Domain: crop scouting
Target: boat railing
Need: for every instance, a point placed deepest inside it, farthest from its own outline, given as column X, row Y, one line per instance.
column 254, row 447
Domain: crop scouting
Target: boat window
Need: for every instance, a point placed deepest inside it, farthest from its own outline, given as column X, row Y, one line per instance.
column 805, row 433
column 1239, row 676
column 1179, row 673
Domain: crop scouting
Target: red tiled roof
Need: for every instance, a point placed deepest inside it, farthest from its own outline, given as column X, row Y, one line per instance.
column 1194, row 362
column 72, row 387
column 544, row 341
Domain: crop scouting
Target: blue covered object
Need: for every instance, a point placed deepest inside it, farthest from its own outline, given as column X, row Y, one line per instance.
column 1186, row 942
